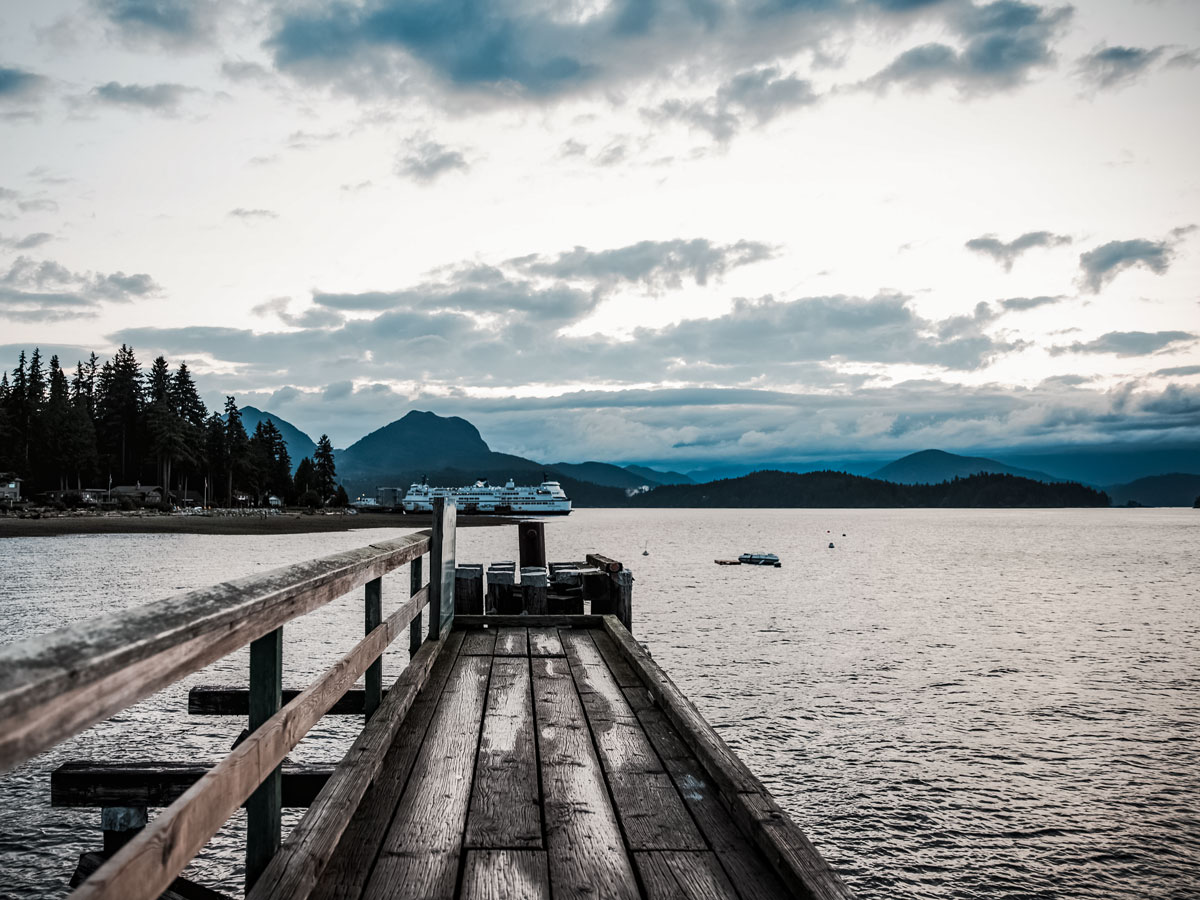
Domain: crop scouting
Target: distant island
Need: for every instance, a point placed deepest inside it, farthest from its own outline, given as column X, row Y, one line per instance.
column 827, row 490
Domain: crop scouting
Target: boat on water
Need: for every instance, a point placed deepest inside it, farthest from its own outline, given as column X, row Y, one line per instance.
column 759, row 559
column 545, row 499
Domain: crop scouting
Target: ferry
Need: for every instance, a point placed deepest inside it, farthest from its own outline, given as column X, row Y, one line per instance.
column 546, row 499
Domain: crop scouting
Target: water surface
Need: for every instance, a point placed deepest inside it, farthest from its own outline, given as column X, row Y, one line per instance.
column 951, row 703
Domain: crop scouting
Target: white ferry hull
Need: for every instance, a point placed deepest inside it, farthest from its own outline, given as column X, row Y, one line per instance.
column 546, row 499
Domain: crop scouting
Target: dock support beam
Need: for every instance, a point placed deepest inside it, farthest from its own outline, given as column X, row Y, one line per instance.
column 373, row 678
column 532, row 544
column 415, row 583
column 120, row 823
column 441, row 568
column 264, row 808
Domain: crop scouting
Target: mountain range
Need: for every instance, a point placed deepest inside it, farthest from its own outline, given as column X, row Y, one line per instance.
column 450, row 450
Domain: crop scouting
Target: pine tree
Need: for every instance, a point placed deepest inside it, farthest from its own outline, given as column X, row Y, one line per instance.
column 186, row 402
column 305, row 480
column 237, row 446
column 324, row 472
column 119, row 405
column 215, row 456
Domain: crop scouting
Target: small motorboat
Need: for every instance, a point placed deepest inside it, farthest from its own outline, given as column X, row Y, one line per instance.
column 759, row 559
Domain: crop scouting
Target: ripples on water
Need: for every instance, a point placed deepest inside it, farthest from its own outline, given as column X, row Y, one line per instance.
column 950, row 703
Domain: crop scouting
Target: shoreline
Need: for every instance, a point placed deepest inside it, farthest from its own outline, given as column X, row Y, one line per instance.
column 166, row 523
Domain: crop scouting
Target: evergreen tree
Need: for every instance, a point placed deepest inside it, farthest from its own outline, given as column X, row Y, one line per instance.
column 237, row 446
column 215, row 456
column 35, row 393
column 305, row 479
column 325, row 474
column 189, row 408
column 6, row 435
column 119, row 405
column 19, row 417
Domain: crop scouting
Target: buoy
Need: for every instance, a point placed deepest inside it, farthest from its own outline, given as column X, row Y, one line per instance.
column 831, row 545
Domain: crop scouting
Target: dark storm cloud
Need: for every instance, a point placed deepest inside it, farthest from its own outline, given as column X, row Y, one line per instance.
column 759, row 94
column 1007, row 253
column 1129, row 343
column 520, row 48
column 656, row 264
column 1177, row 371
column 245, row 72
column 764, row 338
column 1110, row 67
column 162, row 98
column 1102, row 264
column 1003, row 42
column 1020, row 304
column 29, row 242
column 37, row 204
column 18, row 85
column 476, row 290
column 425, row 161
column 1188, row 59
column 33, row 290
column 171, row 23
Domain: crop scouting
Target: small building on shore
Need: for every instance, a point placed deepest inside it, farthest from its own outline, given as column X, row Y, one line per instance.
column 10, row 487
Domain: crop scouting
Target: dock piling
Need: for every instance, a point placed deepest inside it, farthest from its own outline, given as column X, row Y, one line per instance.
column 264, row 809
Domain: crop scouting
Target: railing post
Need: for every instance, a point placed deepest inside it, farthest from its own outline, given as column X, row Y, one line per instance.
column 414, row 584
column 441, row 568
column 373, row 678
column 264, row 808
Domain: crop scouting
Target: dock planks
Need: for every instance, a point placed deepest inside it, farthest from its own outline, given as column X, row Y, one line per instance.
column 536, row 763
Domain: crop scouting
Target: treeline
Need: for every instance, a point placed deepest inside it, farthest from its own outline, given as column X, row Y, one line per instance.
column 114, row 424
column 834, row 490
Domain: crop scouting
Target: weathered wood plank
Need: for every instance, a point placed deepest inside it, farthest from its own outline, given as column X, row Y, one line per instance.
column 295, row 870
column 527, row 621
column 229, row 700
column 586, row 853
column 512, row 642
column 683, row 876
column 90, row 783
column 149, row 862
column 505, row 801
column 353, row 860
column 792, row 855
column 180, row 889
column 603, row 563
column 544, row 642
column 479, row 643
column 730, row 772
column 709, row 785
column 420, row 855
column 56, row 685
column 506, row 875
column 651, row 810
column 617, row 664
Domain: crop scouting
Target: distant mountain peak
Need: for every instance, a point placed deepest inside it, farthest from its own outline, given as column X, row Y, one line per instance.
column 935, row 466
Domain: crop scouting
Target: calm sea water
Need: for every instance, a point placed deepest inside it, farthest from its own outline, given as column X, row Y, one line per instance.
column 951, row 703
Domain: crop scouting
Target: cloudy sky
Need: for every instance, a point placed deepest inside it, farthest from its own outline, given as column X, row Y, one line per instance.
column 673, row 231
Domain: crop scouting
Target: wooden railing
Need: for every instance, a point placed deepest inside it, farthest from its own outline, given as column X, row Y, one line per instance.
column 56, row 685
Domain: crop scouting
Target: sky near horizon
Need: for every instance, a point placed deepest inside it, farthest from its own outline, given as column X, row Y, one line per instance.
column 665, row 231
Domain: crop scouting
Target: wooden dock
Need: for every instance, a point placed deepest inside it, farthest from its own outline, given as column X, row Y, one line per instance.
column 531, row 755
